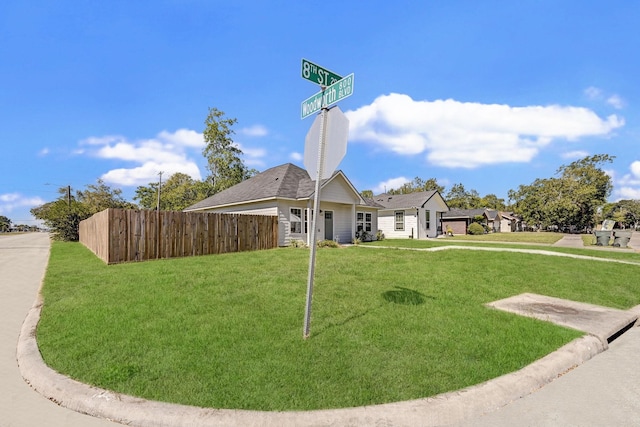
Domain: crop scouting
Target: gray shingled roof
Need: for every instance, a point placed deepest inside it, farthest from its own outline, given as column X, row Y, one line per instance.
column 470, row 213
column 404, row 201
column 284, row 181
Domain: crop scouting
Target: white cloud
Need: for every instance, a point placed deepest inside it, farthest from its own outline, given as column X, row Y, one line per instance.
column 597, row 94
column 574, row 155
column 632, row 178
column 593, row 92
column 296, row 157
column 616, row 102
column 168, row 152
column 44, row 152
column 626, row 193
column 390, row 184
column 148, row 172
column 628, row 186
column 468, row 135
column 255, row 131
column 183, row 137
column 9, row 202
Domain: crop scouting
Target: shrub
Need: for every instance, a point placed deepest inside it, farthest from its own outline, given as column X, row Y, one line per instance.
column 294, row 243
column 328, row 244
column 475, row 229
column 379, row 235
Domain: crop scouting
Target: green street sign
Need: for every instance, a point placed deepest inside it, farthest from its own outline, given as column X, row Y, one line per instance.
column 316, row 74
column 332, row 94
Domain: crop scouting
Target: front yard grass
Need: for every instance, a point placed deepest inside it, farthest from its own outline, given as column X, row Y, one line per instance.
column 225, row 331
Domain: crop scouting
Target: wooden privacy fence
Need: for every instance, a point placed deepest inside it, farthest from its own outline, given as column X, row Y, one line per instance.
column 121, row 235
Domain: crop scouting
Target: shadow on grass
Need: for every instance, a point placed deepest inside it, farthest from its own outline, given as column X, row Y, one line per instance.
column 404, row 296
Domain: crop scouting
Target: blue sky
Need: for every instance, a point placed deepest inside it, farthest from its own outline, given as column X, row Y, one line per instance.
column 488, row 94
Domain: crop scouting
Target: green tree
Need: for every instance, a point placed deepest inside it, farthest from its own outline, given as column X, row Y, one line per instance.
column 459, row 198
column 625, row 212
column 492, row 201
column 223, row 154
column 571, row 200
column 177, row 193
column 63, row 215
column 98, row 197
column 5, row 223
column 367, row 194
column 417, row 185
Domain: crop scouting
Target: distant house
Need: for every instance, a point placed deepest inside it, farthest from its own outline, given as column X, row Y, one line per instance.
column 414, row 215
column 509, row 222
column 287, row 192
column 458, row 220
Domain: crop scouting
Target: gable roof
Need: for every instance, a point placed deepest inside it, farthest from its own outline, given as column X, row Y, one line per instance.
column 491, row 214
column 405, row 201
column 286, row 181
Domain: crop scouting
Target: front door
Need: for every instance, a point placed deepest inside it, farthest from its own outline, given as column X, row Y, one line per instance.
column 328, row 225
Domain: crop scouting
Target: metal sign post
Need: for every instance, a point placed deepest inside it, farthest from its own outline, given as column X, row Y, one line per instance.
column 338, row 89
column 314, row 221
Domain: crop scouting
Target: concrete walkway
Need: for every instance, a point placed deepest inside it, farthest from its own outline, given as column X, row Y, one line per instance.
column 22, row 264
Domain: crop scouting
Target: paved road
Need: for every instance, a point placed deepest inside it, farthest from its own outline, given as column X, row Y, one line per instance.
column 23, row 259
column 603, row 391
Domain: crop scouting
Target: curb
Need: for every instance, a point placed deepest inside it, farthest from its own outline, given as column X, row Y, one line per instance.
column 443, row 409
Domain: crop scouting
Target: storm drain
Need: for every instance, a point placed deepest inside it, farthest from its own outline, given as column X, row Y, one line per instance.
column 605, row 323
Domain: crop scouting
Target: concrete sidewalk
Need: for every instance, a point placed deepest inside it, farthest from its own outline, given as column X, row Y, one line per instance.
column 22, row 264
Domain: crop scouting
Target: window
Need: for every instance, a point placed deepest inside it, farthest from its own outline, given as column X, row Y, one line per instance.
column 307, row 213
column 363, row 221
column 296, row 220
column 399, row 221
column 427, row 217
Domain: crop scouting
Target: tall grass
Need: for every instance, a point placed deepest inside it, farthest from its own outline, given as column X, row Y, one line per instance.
column 225, row 331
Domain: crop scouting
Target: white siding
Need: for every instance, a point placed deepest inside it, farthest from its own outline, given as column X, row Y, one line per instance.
column 386, row 223
column 342, row 222
column 338, row 191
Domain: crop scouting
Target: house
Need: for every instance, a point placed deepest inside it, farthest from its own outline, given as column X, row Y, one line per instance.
column 509, row 222
column 414, row 215
column 495, row 221
column 287, row 192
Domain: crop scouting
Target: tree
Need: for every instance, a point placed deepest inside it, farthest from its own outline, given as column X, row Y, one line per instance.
column 98, row 197
column 417, row 185
column 625, row 212
column 63, row 215
column 178, row 192
column 459, row 198
column 223, row 154
column 492, row 201
column 5, row 223
column 367, row 194
column 570, row 201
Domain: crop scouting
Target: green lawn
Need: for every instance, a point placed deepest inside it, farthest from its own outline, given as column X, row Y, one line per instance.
column 520, row 237
column 225, row 331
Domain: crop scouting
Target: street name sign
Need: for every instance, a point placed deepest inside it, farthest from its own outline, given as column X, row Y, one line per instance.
column 329, row 96
column 317, row 74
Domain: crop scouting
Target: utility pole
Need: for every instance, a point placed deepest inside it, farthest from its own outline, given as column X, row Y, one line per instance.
column 68, row 195
column 159, row 186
